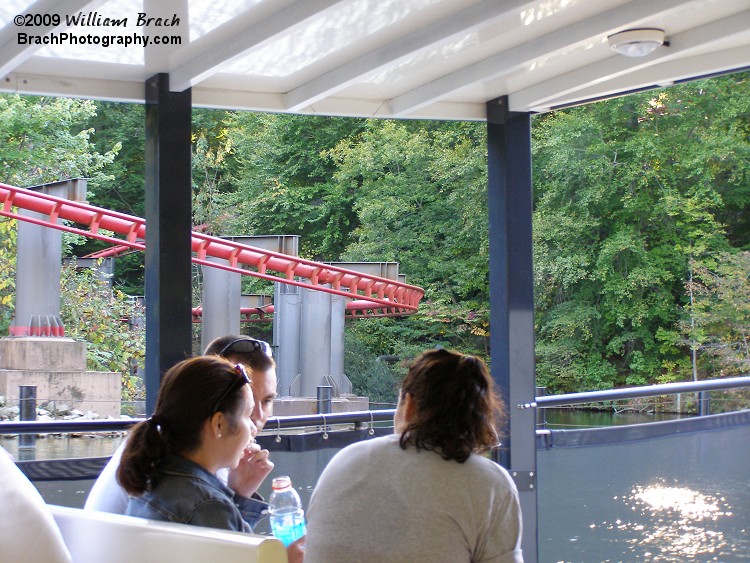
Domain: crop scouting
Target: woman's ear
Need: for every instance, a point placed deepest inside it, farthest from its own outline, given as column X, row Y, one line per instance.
column 217, row 424
column 409, row 406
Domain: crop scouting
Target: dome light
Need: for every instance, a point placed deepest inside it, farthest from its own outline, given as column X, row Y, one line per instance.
column 636, row 42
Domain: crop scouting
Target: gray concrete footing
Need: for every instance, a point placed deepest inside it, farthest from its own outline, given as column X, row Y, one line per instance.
column 291, row 406
column 57, row 367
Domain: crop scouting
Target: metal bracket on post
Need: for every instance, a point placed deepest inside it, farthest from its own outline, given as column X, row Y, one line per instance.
column 295, row 387
column 524, row 480
column 336, row 389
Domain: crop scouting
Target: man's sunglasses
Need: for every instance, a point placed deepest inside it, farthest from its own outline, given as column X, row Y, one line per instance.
column 234, row 385
column 246, row 346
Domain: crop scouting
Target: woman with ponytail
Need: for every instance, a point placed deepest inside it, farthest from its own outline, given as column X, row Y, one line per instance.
column 426, row 493
column 107, row 495
column 201, row 424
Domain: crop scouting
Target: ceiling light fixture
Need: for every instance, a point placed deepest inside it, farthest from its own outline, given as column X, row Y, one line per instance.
column 637, row 42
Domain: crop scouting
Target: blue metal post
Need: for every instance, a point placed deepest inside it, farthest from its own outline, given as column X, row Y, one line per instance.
column 324, row 399
column 168, row 231
column 509, row 193
column 27, row 411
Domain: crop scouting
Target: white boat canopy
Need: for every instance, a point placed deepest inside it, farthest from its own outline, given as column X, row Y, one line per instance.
column 421, row 59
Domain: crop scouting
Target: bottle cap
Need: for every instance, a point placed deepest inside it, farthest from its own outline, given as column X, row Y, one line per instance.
column 281, row 483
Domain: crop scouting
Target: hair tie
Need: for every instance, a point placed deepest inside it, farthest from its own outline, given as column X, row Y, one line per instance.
column 155, row 421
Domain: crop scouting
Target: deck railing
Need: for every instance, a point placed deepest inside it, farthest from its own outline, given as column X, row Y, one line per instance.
column 638, row 392
column 364, row 418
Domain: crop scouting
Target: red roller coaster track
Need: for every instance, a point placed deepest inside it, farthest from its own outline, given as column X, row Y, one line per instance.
column 372, row 296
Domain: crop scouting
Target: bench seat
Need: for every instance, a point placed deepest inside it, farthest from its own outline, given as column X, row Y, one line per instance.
column 93, row 537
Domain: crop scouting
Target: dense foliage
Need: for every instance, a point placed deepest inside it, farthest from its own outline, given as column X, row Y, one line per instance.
column 42, row 140
column 641, row 221
column 631, row 196
column 7, row 273
column 110, row 322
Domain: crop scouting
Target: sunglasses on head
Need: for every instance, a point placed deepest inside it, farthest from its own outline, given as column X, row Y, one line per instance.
column 234, row 385
column 246, row 346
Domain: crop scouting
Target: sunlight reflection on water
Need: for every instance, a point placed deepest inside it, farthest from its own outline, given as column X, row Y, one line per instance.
column 673, row 523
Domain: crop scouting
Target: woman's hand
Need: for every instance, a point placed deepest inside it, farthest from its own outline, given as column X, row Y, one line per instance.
column 295, row 552
column 252, row 469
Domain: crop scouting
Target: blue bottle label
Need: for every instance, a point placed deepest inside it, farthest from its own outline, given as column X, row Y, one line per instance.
column 288, row 527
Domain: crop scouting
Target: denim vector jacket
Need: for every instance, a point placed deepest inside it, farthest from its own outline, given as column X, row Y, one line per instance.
column 188, row 494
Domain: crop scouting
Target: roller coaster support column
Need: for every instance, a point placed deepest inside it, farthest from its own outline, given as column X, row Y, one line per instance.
column 287, row 311
column 286, row 316
column 168, row 236
column 221, row 302
column 221, row 309
column 338, row 322
column 222, row 297
column 38, row 267
column 387, row 270
column 315, row 340
column 512, row 298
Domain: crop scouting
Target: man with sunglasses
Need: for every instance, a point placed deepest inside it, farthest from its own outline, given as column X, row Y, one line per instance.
column 256, row 355
column 107, row 496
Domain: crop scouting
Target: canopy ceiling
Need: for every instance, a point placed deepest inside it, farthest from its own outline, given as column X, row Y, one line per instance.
column 437, row 59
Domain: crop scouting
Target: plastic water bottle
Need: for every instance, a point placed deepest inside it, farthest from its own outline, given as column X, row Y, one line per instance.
column 285, row 507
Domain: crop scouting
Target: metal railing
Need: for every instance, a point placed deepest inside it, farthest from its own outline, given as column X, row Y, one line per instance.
column 361, row 418
column 358, row 418
column 637, row 392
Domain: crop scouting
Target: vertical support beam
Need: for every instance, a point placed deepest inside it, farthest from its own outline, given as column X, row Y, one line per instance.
column 287, row 315
column 221, row 302
column 168, row 228
column 315, row 340
column 509, row 193
column 338, row 328
column 38, row 262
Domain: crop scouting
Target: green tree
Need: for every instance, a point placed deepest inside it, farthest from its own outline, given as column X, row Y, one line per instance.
column 45, row 140
column 42, row 140
column 377, row 191
column 718, row 322
column 110, row 322
column 283, row 181
column 119, row 124
column 369, row 375
column 627, row 192
column 208, row 177
column 7, row 273
column 421, row 201
column 124, row 191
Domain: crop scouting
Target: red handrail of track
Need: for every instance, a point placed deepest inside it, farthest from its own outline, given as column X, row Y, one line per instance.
column 372, row 295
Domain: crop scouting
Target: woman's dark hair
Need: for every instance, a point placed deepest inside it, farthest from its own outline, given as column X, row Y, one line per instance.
column 191, row 392
column 227, row 347
column 456, row 409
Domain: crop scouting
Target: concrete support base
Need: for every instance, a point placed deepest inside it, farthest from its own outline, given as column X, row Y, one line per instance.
column 290, row 406
column 57, row 367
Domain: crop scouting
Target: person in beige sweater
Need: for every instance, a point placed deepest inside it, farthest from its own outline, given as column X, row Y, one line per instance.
column 424, row 493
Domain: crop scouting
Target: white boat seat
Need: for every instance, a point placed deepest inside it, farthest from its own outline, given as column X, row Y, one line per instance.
column 94, row 537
